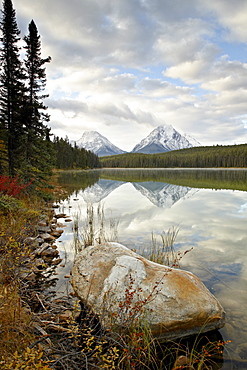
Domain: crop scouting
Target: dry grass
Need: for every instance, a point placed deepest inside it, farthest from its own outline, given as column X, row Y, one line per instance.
column 17, row 218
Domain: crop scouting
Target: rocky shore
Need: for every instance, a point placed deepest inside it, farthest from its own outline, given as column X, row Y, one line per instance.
column 53, row 318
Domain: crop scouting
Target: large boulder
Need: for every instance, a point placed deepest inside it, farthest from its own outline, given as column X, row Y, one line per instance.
column 122, row 287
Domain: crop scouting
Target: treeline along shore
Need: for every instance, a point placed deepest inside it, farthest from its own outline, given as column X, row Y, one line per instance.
column 197, row 157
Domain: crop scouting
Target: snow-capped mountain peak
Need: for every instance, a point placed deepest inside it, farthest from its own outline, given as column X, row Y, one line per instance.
column 192, row 141
column 163, row 139
column 97, row 143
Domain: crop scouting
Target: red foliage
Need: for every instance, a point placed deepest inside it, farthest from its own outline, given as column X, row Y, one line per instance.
column 12, row 186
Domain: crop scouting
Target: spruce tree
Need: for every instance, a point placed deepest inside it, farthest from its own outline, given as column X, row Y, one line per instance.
column 12, row 88
column 37, row 157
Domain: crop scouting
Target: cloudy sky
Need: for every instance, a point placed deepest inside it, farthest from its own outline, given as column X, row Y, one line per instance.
column 124, row 67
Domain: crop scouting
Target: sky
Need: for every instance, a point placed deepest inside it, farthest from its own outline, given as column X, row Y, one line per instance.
column 125, row 67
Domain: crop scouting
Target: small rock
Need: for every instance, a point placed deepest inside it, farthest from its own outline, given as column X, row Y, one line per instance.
column 30, row 277
column 57, row 261
column 181, row 362
column 67, row 220
column 39, row 240
column 47, row 237
column 29, row 240
column 42, row 223
column 60, row 215
column 65, row 316
column 40, row 264
column 44, row 229
column 50, row 253
column 56, row 233
column 41, row 249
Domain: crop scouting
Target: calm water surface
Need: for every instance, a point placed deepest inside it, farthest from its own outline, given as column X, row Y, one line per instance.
column 208, row 207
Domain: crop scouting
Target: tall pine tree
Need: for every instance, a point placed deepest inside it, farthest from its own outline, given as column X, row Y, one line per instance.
column 12, row 89
column 37, row 159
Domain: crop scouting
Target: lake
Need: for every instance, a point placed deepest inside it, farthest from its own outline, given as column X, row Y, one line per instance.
column 208, row 207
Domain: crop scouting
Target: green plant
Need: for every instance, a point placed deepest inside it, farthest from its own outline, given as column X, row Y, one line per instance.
column 9, row 204
column 162, row 249
column 97, row 229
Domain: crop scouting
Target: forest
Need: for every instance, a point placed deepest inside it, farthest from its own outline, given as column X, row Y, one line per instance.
column 218, row 156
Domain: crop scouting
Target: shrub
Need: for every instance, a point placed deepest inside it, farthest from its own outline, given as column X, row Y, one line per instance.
column 9, row 204
column 30, row 359
column 12, row 186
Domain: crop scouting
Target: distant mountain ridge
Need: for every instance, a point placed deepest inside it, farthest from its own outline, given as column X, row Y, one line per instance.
column 97, row 143
column 162, row 139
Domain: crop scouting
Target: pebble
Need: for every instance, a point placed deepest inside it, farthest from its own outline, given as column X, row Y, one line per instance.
column 44, row 229
column 47, row 237
column 66, row 315
column 56, row 233
column 60, row 215
column 56, row 262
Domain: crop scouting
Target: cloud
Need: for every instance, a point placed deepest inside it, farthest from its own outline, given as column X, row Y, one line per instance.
column 133, row 65
column 232, row 15
column 162, row 88
column 67, row 105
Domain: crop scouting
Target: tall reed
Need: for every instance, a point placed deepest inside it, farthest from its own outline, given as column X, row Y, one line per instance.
column 96, row 228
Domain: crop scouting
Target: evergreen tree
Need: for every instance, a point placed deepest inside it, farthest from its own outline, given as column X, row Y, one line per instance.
column 34, row 116
column 11, row 88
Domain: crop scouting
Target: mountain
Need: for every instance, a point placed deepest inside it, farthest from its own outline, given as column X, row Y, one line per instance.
column 164, row 139
column 192, row 141
column 97, row 143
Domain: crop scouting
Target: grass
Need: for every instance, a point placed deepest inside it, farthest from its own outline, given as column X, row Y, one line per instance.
column 96, row 228
column 162, row 249
column 19, row 212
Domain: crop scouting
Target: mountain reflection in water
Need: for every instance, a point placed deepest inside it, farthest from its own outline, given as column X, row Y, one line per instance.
column 159, row 193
